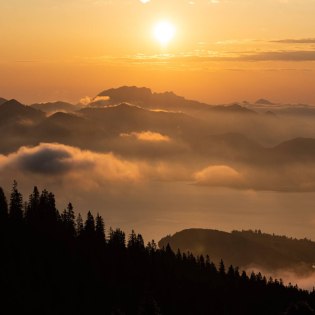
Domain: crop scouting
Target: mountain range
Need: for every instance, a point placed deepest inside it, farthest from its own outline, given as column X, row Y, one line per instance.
column 163, row 126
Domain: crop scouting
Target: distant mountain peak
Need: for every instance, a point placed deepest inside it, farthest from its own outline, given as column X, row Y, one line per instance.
column 56, row 106
column 130, row 94
column 13, row 110
column 263, row 101
column 12, row 102
column 14, row 106
column 2, row 100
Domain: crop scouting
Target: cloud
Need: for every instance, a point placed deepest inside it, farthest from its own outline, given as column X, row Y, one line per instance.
column 88, row 100
column 295, row 41
column 54, row 160
column 215, row 56
column 147, row 136
column 85, row 169
column 288, row 177
column 300, row 275
column 219, row 175
column 298, row 55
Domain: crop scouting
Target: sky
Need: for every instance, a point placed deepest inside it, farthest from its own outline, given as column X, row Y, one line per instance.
column 222, row 50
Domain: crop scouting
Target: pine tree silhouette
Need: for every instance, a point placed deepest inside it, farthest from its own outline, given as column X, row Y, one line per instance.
column 16, row 204
column 89, row 226
column 221, row 267
column 79, row 225
column 68, row 220
column 100, row 228
column 3, row 206
column 33, row 205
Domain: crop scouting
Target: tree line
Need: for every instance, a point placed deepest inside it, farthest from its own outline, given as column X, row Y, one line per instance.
column 56, row 262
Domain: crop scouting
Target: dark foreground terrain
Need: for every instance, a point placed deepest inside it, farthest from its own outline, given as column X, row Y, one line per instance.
column 56, row 263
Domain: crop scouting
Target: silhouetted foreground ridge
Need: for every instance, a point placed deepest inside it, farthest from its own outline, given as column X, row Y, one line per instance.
column 56, row 263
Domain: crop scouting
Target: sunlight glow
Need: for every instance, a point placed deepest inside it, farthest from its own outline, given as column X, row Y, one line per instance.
column 164, row 32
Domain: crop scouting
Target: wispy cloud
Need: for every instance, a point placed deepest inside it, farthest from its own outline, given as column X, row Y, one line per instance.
column 202, row 56
column 295, row 41
column 88, row 99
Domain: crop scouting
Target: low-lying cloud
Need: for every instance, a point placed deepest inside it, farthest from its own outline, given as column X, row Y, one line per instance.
column 147, row 136
column 48, row 159
column 219, row 175
column 86, row 169
column 58, row 162
column 293, row 276
column 292, row 177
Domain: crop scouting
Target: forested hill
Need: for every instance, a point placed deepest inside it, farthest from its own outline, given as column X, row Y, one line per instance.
column 247, row 248
column 55, row 262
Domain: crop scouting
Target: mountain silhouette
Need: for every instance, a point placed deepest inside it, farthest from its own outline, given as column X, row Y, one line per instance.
column 128, row 118
column 145, row 98
column 58, row 106
column 2, row 100
column 233, row 108
column 263, row 101
column 298, row 149
column 225, row 136
column 13, row 111
column 246, row 248
column 101, row 129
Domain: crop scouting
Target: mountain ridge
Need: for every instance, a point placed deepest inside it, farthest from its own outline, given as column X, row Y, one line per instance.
column 246, row 248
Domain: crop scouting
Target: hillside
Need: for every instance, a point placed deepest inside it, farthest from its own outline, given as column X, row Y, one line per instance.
column 246, row 248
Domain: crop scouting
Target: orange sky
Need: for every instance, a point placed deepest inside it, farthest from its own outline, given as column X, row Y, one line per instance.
column 222, row 51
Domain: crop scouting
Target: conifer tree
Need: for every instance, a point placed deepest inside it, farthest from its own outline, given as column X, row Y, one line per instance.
column 202, row 261
column 3, row 205
column 221, row 267
column 231, row 272
column 53, row 212
column 132, row 239
column 33, row 205
column 47, row 211
column 179, row 255
column 89, row 226
column 68, row 219
column 79, row 225
column 151, row 247
column 117, row 239
column 16, row 203
column 140, row 242
column 100, row 228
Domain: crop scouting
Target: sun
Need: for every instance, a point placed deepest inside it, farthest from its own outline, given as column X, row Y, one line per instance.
column 164, row 32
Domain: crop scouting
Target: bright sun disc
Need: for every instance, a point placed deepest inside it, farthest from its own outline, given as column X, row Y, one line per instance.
column 164, row 32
